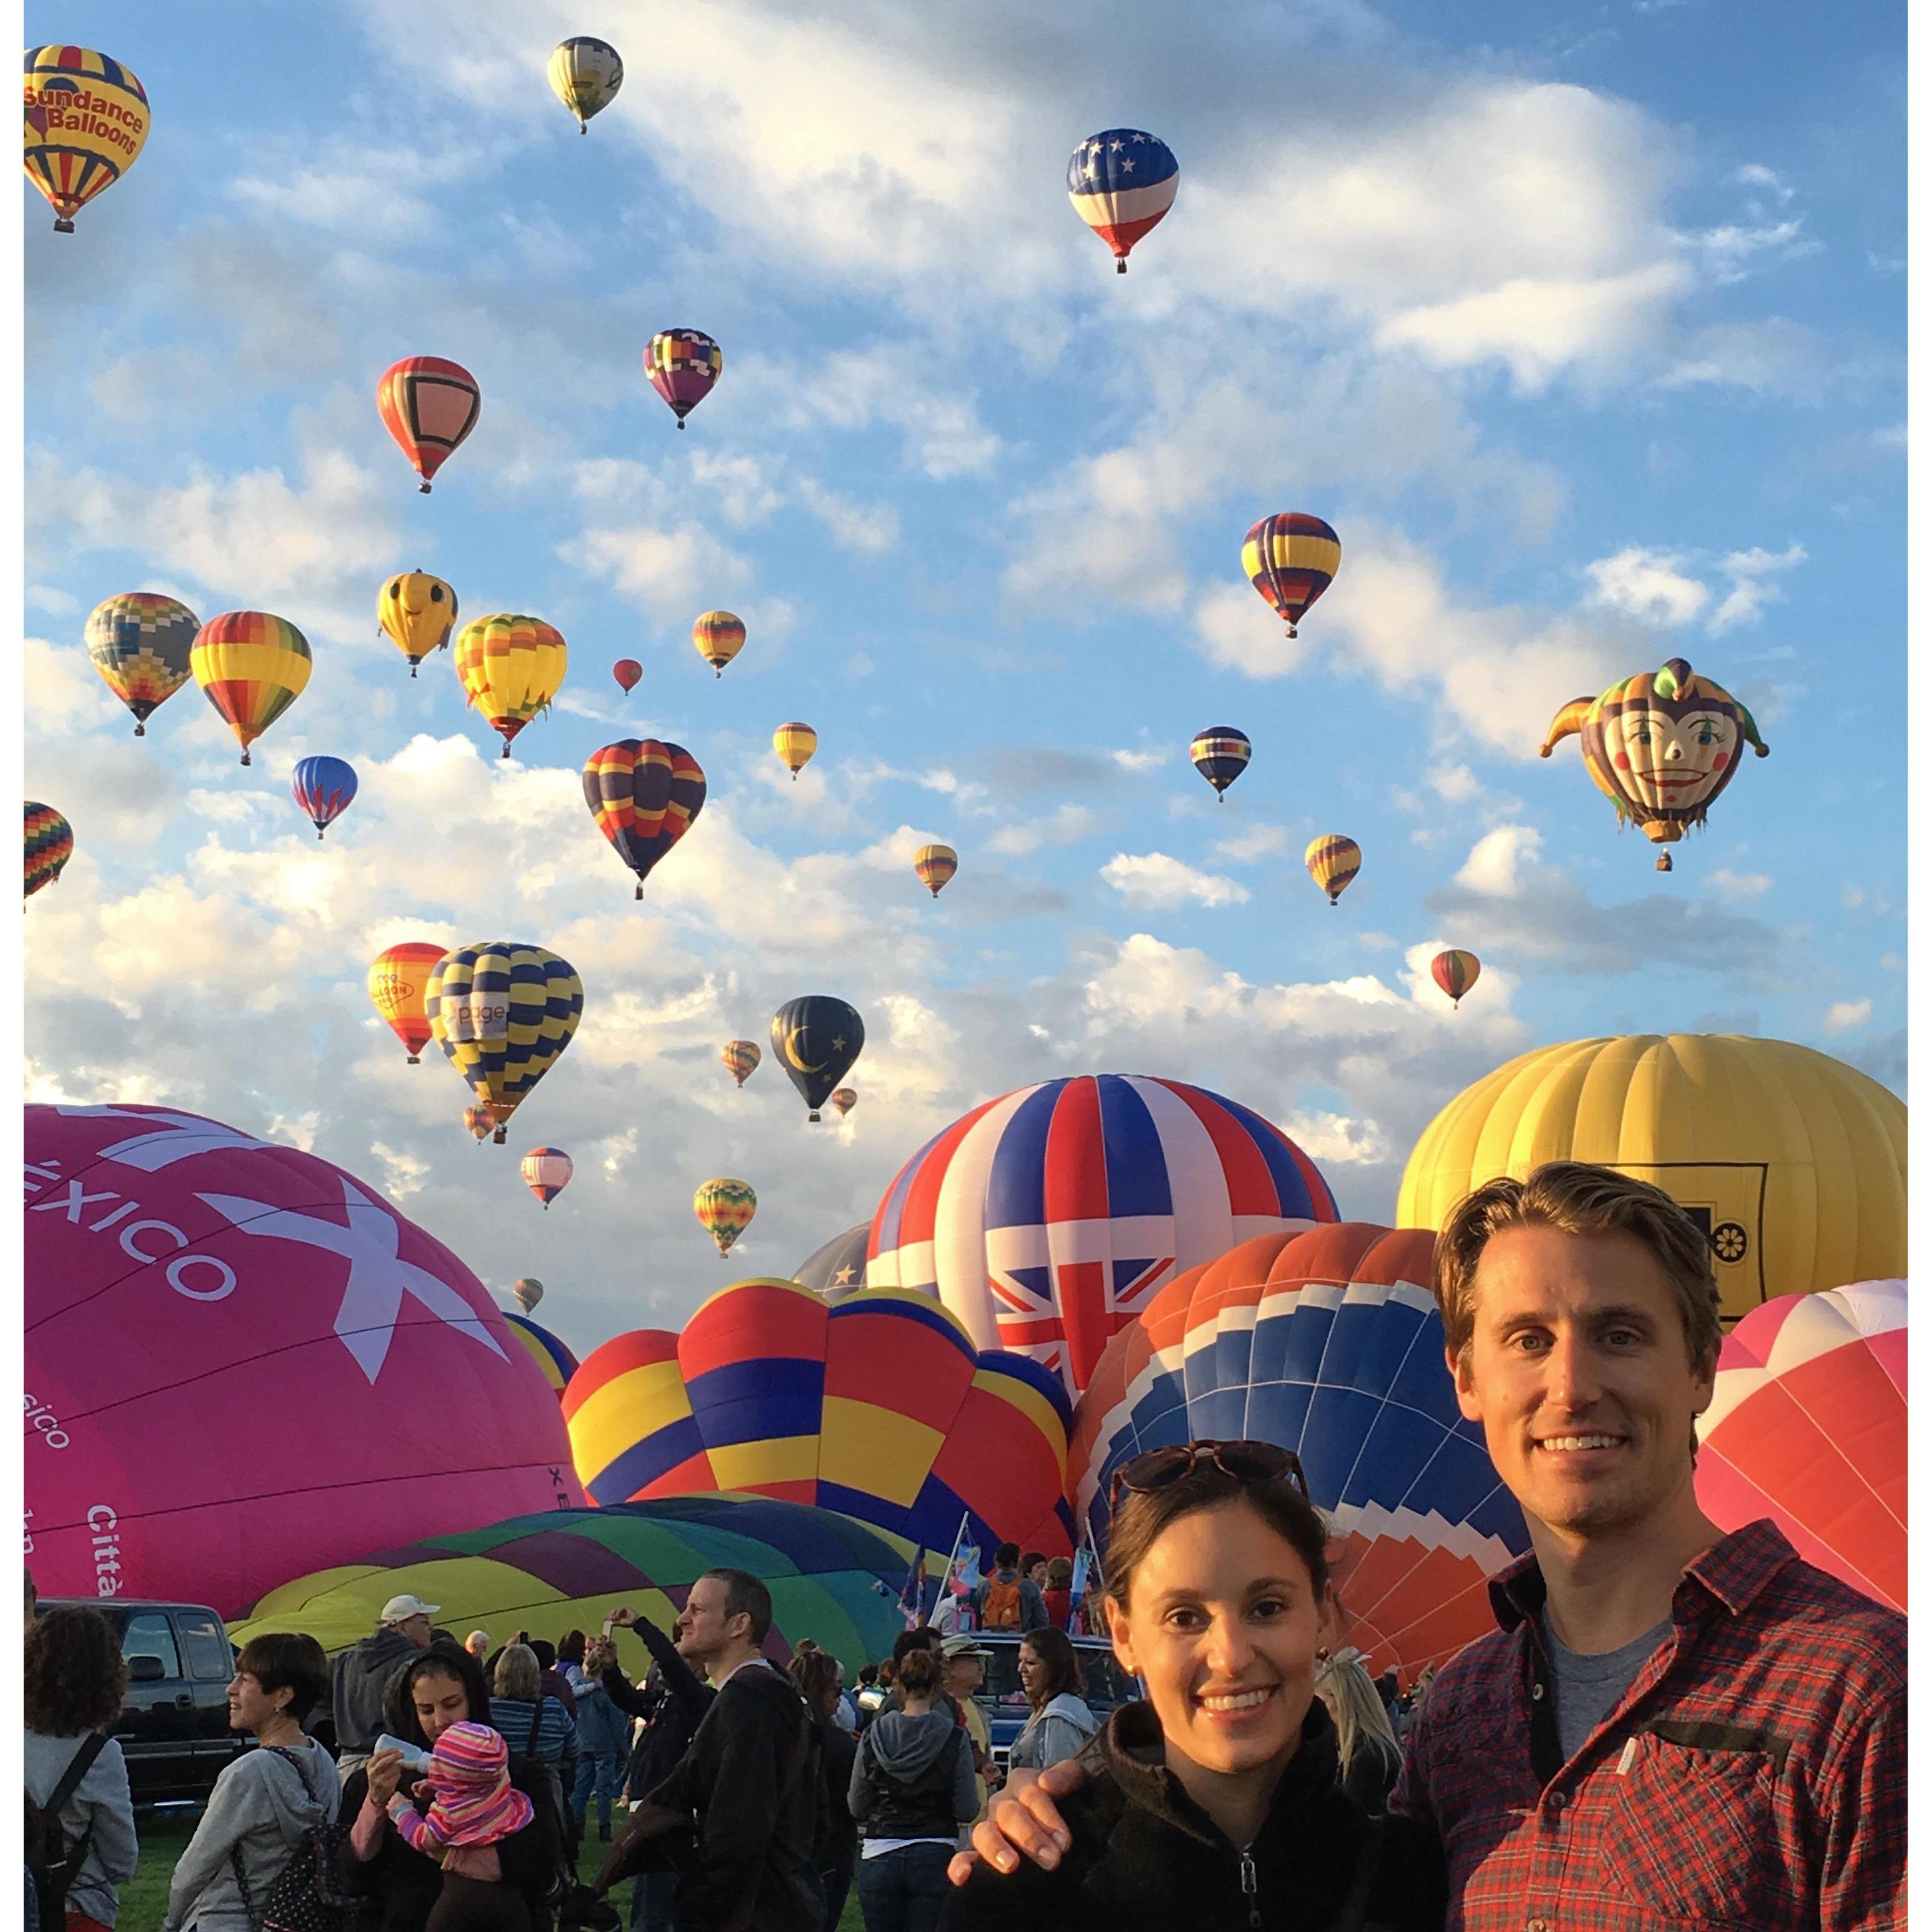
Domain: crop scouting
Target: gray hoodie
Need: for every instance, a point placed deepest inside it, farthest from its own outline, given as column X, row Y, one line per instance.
column 1060, row 1731
column 264, row 1803
column 898, row 1787
column 100, row 1807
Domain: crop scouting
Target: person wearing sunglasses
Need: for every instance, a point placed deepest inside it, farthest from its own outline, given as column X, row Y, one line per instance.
column 1215, row 1803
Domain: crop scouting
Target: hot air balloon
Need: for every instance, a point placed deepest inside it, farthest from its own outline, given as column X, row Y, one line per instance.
column 645, row 797
column 879, row 1403
column 1221, row 755
column 934, row 865
column 479, row 1120
column 1791, row 1162
column 839, row 1268
column 511, row 668
column 546, row 1172
column 398, row 978
column 139, row 642
column 1455, row 972
column 86, row 122
column 146, row 1337
column 429, row 405
column 795, row 743
column 741, row 1058
column 49, row 845
column 1332, row 861
column 1291, row 559
column 844, row 1098
column 251, row 666
column 817, row 1038
column 1329, row 1343
column 1661, row 747
column 585, row 74
column 1048, row 1218
column 724, row 1208
column 527, row 1293
column 554, row 1361
column 1807, row 1427
column 416, row 612
column 682, row 363
column 718, row 637
column 627, row 671
column 324, row 788
column 1121, row 181
column 503, row 1011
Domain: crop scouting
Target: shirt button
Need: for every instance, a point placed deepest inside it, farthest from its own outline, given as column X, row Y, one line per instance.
column 1536, row 1691
column 1556, row 1801
column 1537, row 1925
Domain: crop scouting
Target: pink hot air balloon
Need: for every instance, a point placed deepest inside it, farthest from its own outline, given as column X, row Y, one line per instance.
column 241, row 1363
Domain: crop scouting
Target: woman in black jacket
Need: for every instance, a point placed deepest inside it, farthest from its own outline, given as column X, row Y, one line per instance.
column 835, row 1848
column 1215, row 1803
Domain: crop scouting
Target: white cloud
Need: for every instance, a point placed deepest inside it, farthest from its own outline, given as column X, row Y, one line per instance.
column 1064, row 827
column 1496, row 863
column 1252, row 842
column 851, row 526
column 1845, row 1014
column 1646, row 584
column 1750, row 572
column 1154, row 879
column 1733, row 887
column 1145, row 758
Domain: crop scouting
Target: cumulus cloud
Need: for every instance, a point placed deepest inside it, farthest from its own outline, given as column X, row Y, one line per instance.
column 1155, row 879
column 1752, row 574
column 1844, row 1015
column 1648, row 585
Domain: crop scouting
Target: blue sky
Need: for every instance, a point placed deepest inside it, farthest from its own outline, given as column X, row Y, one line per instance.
column 1584, row 325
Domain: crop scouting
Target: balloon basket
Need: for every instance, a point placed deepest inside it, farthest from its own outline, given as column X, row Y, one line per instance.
column 414, row 1061
column 638, row 894
column 811, row 1118
column 501, row 1136
column 422, row 490
column 412, row 667
column 1120, row 266
column 680, row 422
column 62, row 226
column 318, row 835
column 246, row 760
column 1664, row 864
column 140, row 731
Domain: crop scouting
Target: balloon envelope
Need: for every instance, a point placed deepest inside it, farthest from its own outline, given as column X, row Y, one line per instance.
column 429, row 405
column 324, row 788
column 585, row 74
column 645, row 796
column 1455, row 972
column 416, row 612
column 555, row 1363
column 140, row 642
column 719, row 636
column 1291, row 559
column 1220, row 755
column 49, row 846
column 839, row 1268
column 935, row 865
column 511, row 668
column 502, row 1011
column 86, row 122
column 741, row 1058
column 724, row 1208
column 1333, row 861
column 251, row 666
column 627, row 671
column 546, row 1172
column 795, row 743
column 682, row 363
column 817, row 1038
column 1121, row 182
column 844, row 1099
column 398, row 980
column 529, row 1292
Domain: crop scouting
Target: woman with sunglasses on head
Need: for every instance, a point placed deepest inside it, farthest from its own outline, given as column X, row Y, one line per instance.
column 1215, row 1802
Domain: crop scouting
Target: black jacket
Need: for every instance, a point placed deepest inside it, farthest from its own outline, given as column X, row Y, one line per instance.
column 671, row 1720
column 357, row 1681
column 1145, row 1854
column 913, row 1777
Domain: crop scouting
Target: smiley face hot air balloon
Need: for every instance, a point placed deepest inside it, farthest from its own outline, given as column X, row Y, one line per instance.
column 1220, row 755
column 644, row 796
column 86, row 122
column 718, row 636
column 682, row 363
column 741, row 1058
column 546, row 1172
column 324, row 788
column 1121, row 182
column 585, row 74
column 1332, row 861
column 429, row 405
column 251, row 666
column 398, row 979
column 817, row 1038
column 627, row 671
column 503, row 1011
column 1455, row 972
column 140, row 644
column 511, row 668
column 1661, row 747
column 934, row 865
column 724, row 1208
column 49, row 845
column 416, row 612
column 1291, row 559
column 794, row 743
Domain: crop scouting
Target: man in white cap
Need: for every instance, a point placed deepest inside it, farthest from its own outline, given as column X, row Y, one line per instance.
column 360, row 1673
column 963, row 1670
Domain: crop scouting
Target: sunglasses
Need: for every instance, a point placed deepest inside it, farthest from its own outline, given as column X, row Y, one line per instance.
column 1240, row 1462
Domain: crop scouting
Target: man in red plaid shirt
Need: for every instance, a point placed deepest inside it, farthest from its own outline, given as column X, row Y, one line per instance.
column 1671, row 1726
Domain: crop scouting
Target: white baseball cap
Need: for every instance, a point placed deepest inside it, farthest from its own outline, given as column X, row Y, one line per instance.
column 398, row 1609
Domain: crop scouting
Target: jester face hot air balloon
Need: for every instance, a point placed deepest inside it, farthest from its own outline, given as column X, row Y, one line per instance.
column 251, row 666
column 794, row 743
column 511, row 668
column 585, row 74
column 1329, row 1343
column 1660, row 747
column 718, row 638
column 49, row 845
column 1455, row 972
column 724, row 1208
column 817, row 1038
column 323, row 788
column 741, row 1058
column 1048, row 1219
column 429, row 405
column 1121, row 181
column 844, row 1099
column 1291, row 559
column 627, row 671
column 935, row 865
column 86, row 121
column 398, row 979
column 503, row 1011
column 1220, row 755
column 416, row 612
column 644, row 796
column 480, row 1121
column 140, row 642
column 546, row 1172
column 879, row 1404
column 554, row 1361
column 682, row 363
column 1332, row 861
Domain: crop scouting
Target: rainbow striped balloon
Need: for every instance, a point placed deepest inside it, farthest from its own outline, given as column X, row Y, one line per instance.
column 49, row 845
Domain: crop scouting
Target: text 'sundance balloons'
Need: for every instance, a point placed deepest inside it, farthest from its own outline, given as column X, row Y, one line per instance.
column 49, row 846
column 429, row 405
column 251, row 666
column 1121, row 181
column 324, row 788
column 140, row 642
column 86, row 122
column 416, row 612
column 203, row 1254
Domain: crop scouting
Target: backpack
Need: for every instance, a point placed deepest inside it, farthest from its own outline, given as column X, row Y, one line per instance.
column 1002, row 1610
column 54, row 1859
column 306, row 1895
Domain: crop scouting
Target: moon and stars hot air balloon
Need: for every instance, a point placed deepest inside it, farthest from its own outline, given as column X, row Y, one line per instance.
column 741, row 1058
column 554, row 1361
column 251, row 666
column 585, row 74
column 1455, row 971
column 416, row 612
column 49, row 845
column 511, row 668
column 1291, row 559
column 398, row 979
column 1792, row 1163
column 546, row 1172
column 844, row 1099
column 724, row 1208
column 1048, row 1218
column 429, row 404
column 838, row 1268
column 627, row 671
column 86, row 122
column 1661, row 747
column 526, row 1293
column 140, row 642
column 934, row 865
column 1121, row 182
column 503, row 1011
column 1333, row 860
column 718, row 636
column 817, row 1038
column 324, row 788
column 479, row 1120
column 1221, row 755
column 794, row 743
column 645, row 796
column 682, row 363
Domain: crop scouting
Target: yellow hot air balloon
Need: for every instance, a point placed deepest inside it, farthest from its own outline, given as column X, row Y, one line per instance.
column 511, row 668
column 724, row 1208
column 503, row 1012
column 718, row 636
column 935, row 865
column 416, row 612
column 86, row 122
column 585, row 74
column 741, row 1058
column 251, row 666
column 1332, row 861
column 795, row 744
column 1792, row 1161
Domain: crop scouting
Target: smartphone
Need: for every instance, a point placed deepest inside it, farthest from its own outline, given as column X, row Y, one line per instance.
column 414, row 1757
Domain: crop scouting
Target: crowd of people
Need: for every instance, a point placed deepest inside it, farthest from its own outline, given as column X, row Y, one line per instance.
column 1669, row 1726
